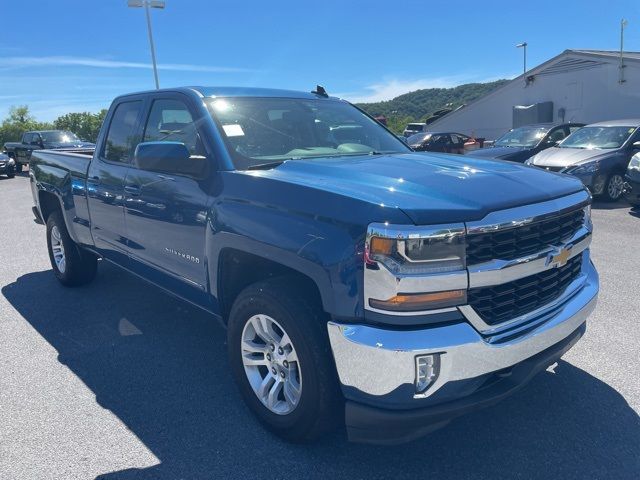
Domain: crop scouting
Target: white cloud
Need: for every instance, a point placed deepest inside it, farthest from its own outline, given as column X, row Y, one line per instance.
column 393, row 88
column 10, row 63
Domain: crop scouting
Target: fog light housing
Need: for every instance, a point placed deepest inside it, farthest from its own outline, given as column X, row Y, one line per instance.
column 427, row 371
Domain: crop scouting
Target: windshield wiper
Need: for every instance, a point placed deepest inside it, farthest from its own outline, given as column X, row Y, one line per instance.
column 265, row 166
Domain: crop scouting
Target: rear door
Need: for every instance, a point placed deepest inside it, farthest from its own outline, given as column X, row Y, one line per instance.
column 166, row 212
column 105, row 179
column 23, row 152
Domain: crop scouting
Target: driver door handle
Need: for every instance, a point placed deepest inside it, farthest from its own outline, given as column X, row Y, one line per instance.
column 132, row 190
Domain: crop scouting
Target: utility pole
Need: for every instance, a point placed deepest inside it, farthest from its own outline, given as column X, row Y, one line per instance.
column 623, row 24
column 523, row 45
column 148, row 4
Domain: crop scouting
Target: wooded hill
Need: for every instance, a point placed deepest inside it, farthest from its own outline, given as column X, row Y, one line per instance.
column 421, row 104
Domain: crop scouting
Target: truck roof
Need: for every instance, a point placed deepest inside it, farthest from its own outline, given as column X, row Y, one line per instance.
column 213, row 92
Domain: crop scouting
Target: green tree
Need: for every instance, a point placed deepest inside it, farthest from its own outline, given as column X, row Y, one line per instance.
column 85, row 124
column 18, row 122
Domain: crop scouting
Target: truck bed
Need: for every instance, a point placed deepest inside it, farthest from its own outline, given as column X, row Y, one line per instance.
column 64, row 172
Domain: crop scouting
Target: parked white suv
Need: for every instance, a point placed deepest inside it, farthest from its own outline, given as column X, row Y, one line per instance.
column 413, row 128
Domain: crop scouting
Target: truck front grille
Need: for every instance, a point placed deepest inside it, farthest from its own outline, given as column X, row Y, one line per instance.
column 500, row 303
column 512, row 243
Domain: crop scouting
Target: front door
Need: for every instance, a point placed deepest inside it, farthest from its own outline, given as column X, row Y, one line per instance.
column 165, row 212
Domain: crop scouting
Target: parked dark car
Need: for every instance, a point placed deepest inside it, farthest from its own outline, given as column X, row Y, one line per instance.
column 519, row 144
column 7, row 165
column 37, row 140
column 633, row 181
column 445, row 142
column 597, row 154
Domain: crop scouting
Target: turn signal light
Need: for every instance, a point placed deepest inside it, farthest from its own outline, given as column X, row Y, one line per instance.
column 382, row 246
column 414, row 302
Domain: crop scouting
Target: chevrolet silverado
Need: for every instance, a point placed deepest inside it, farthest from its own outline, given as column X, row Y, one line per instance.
column 359, row 282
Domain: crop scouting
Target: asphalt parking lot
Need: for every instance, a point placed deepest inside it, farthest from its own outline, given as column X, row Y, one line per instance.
column 117, row 380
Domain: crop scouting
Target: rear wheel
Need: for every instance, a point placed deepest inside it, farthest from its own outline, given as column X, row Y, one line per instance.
column 614, row 187
column 280, row 358
column 71, row 265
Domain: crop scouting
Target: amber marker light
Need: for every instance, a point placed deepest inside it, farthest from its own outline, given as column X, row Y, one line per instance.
column 413, row 302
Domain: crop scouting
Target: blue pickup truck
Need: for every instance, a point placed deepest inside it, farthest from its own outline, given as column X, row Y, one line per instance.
column 360, row 282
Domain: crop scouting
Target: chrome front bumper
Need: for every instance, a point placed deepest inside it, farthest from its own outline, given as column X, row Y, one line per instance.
column 377, row 365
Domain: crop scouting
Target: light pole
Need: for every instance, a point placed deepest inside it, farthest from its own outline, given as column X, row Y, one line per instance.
column 147, row 4
column 523, row 45
column 623, row 23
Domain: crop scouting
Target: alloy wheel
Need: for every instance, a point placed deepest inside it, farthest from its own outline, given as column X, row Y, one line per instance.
column 271, row 364
column 615, row 188
column 57, row 248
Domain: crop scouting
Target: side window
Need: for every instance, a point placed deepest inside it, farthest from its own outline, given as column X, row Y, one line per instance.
column 122, row 131
column 28, row 138
column 171, row 121
column 556, row 135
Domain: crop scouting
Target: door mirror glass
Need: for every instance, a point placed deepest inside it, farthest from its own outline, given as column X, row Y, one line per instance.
column 169, row 157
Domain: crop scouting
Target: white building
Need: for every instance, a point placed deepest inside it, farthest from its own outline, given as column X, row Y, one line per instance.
column 582, row 85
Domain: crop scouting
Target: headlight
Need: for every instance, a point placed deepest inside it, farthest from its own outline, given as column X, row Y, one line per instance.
column 425, row 251
column 634, row 164
column 584, row 168
column 11, row 161
column 411, row 252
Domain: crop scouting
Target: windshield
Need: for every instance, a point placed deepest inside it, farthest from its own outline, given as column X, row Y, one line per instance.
column 59, row 136
column 418, row 138
column 598, row 137
column 261, row 131
column 522, row 137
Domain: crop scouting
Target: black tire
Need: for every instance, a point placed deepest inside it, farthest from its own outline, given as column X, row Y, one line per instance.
column 80, row 266
column 611, row 193
column 320, row 402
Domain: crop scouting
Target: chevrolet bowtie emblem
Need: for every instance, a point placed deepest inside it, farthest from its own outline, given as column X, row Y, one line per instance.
column 559, row 258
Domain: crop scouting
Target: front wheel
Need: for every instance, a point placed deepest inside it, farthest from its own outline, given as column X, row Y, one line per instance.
column 71, row 265
column 280, row 358
column 614, row 187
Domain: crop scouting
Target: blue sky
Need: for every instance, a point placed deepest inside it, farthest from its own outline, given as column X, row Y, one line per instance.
column 71, row 55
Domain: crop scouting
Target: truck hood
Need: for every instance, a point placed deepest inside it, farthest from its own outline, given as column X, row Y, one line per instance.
column 498, row 152
column 564, row 157
column 429, row 188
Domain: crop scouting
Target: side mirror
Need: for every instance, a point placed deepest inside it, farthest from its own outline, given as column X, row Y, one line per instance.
column 636, row 146
column 168, row 157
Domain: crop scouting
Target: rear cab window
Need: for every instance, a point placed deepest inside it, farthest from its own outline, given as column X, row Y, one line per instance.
column 121, row 136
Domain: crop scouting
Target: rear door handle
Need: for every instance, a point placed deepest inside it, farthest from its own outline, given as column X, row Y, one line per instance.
column 132, row 190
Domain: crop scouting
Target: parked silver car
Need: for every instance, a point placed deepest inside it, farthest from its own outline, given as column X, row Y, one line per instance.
column 598, row 154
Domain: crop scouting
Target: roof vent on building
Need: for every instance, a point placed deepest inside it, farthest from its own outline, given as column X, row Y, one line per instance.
column 570, row 64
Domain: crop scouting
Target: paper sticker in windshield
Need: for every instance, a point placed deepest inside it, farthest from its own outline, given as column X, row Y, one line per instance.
column 233, row 130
